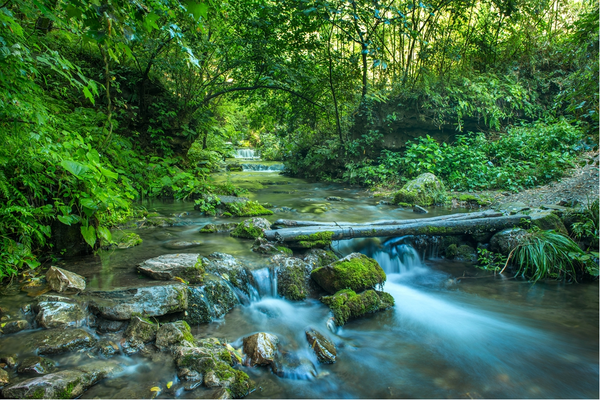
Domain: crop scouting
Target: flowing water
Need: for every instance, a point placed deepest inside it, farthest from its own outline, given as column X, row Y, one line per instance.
column 453, row 333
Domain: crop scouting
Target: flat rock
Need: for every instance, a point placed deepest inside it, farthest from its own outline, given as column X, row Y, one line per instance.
column 149, row 301
column 51, row 341
column 60, row 314
column 63, row 281
column 36, row 365
column 169, row 266
column 67, row 384
column 15, row 326
column 513, row 207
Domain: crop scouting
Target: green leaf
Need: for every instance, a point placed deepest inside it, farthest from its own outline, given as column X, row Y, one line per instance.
column 108, row 173
column 197, row 9
column 65, row 219
column 89, row 234
column 74, row 167
column 32, row 263
column 104, row 233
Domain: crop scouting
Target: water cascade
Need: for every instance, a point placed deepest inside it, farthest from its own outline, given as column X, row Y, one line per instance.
column 262, row 167
column 247, row 154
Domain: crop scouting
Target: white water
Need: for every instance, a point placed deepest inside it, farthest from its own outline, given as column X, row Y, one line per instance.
column 262, row 167
column 246, row 154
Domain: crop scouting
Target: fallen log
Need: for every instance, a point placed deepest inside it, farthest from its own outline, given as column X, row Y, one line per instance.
column 293, row 223
column 428, row 227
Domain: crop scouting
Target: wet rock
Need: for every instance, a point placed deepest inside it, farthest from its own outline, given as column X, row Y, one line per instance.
column 174, row 334
column 211, row 301
column 4, row 378
column 355, row 271
column 546, row 220
column 139, row 332
column 261, row 348
column 251, row 228
column 107, row 348
column 291, row 366
column 506, row 240
column 106, row 325
column 230, row 269
column 36, row 365
column 463, row 252
column 182, row 244
column 57, row 341
column 10, row 360
column 169, row 266
column 67, row 384
column 323, row 347
column 150, row 301
column 293, row 277
column 220, row 394
column 426, row 190
column 513, row 207
column 60, row 314
column 319, row 257
column 419, row 210
column 214, row 228
column 63, row 281
column 334, row 198
column 15, row 326
column 123, row 240
column 263, row 246
column 346, row 304
column 210, row 364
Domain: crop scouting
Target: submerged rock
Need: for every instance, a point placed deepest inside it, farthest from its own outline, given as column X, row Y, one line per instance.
column 59, row 314
column 289, row 365
column 36, row 365
column 251, row 228
column 355, row 271
column 63, row 281
column 182, row 244
column 425, row 190
column 174, row 334
column 346, row 304
column 67, row 384
column 334, row 198
column 293, row 277
column 215, row 228
column 169, row 266
column 324, row 348
column 150, row 301
column 57, row 341
column 261, row 348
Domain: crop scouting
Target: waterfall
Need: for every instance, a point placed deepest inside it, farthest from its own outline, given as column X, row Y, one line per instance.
column 262, row 167
column 266, row 282
column 246, row 154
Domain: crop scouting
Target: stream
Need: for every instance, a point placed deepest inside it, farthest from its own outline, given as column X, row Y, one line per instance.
column 480, row 336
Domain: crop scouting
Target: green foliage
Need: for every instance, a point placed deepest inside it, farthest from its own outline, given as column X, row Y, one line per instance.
column 490, row 261
column 587, row 227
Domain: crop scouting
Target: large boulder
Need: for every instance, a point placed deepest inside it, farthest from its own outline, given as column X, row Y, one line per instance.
column 139, row 332
column 506, row 240
column 346, row 304
column 59, row 312
column 261, row 348
column 425, row 190
column 166, row 267
column 293, row 277
column 67, row 384
column 546, row 220
column 324, row 348
column 355, row 271
column 251, row 228
column 149, row 301
column 63, row 281
column 174, row 334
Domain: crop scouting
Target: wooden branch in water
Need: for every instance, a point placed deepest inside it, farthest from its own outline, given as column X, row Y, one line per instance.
column 294, row 223
column 423, row 227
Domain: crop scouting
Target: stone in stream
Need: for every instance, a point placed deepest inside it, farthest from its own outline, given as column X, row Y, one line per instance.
column 139, row 332
column 215, row 228
column 419, row 210
column 59, row 312
column 107, row 348
column 4, row 378
column 211, row 301
column 36, row 365
column 546, row 220
column 319, row 258
column 63, row 281
column 67, row 384
column 506, row 240
column 289, row 365
column 251, row 228
column 346, row 304
column 174, row 334
column 230, row 269
column 334, row 198
column 166, row 267
column 51, row 341
column 261, row 348
column 263, row 246
column 463, row 252
column 293, row 277
column 15, row 326
column 209, row 363
column 182, row 244
column 355, row 271
column 426, row 190
column 324, row 348
column 148, row 301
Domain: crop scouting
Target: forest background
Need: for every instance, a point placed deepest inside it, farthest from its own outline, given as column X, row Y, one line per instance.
column 105, row 103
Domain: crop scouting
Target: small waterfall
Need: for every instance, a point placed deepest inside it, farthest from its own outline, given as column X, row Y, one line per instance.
column 250, row 154
column 266, row 282
column 262, row 167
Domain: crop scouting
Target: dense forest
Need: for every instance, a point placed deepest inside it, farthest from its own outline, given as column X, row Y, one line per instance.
column 104, row 103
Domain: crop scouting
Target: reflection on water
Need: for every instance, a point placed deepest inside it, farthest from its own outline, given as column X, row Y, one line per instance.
column 484, row 336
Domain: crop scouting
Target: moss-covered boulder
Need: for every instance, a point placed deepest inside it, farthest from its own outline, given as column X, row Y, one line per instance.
column 463, row 252
column 216, row 228
column 169, row 266
column 319, row 258
column 548, row 220
column 425, row 190
column 36, row 365
column 174, row 334
column 230, row 269
column 139, row 332
column 211, row 301
column 247, row 209
column 122, row 239
column 506, row 240
column 293, row 277
column 355, row 271
column 251, row 228
column 346, row 304
column 209, row 363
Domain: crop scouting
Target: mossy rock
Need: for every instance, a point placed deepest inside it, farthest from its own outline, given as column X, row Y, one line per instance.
column 315, row 240
column 216, row 228
column 506, row 240
column 293, row 277
column 425, row 190
column 247, row 209
column 174, row 334
column 122, row 240
column 346, row 304
column 262, row 245
column 170, row 266
column 230, row 269
column 548, row 220
column 463, row 252
column 355, row 271
column 319, row 258
column 251, row 228
column 475, row 200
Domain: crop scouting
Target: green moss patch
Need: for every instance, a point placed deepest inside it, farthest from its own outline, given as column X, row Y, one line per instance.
column 424, row 190
column 247, row 209
column 346, row 304
column 316, row 240
column 356, row 272
column 475, row 200
column 248, row 232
